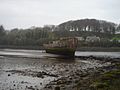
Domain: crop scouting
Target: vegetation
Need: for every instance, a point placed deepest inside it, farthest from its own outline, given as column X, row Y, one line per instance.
column 90, row 25
column 108, row 81
column 27, row 37
column 105, row 78
column 37, row 36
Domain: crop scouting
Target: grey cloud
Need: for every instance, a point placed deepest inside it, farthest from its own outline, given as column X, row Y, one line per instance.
column 26, row 13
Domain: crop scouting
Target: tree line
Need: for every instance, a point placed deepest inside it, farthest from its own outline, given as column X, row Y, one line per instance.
column 37, row 36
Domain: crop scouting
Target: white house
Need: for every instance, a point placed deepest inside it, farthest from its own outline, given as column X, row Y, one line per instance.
column 80, row 38
column 92, row 39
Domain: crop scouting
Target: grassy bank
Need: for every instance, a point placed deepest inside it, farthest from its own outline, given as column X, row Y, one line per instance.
column 107, row 78
column 107, row 81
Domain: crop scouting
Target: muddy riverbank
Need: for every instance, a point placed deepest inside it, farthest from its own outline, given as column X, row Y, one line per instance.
column 83, row 79
column 36, row 70
column 48, row 76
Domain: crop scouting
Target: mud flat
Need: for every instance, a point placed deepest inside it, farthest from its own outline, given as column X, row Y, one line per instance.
column 86, row 78
column 40, row 74
column 36, row 70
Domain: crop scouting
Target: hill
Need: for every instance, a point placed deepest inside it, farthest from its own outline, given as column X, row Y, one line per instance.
column 91, row 33
column 85, row 27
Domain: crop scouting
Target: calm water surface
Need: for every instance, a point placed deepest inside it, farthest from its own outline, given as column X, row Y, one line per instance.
column 42, row 54
column 100, row 54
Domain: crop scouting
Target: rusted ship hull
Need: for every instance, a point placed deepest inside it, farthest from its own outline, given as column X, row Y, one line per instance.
column 64, row 46
column 62, row 51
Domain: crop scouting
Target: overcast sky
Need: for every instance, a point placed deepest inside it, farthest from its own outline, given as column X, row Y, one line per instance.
column 27, row 13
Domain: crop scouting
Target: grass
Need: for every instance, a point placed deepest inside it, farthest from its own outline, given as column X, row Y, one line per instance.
column 107, row 81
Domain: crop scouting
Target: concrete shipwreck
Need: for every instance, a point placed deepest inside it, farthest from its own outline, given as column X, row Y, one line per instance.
column 64, row 46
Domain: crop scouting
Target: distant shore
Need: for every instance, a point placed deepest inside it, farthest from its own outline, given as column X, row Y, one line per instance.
column 106, row 49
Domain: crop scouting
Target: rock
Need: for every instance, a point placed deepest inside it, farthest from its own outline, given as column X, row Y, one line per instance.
column 57, row 88
column 31, row 88
column 40, row 75
column 8, row 74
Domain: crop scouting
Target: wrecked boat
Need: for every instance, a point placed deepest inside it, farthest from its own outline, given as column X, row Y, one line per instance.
column 64, row 46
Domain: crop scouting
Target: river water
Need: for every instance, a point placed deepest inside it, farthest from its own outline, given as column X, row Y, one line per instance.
column 19, row 68
column 42, row 54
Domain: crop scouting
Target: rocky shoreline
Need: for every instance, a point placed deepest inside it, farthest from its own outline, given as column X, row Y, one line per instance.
column 82, row 80
column 78, row 74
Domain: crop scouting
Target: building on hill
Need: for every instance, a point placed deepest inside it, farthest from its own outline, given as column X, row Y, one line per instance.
column 80, row 38
column 92, row 39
